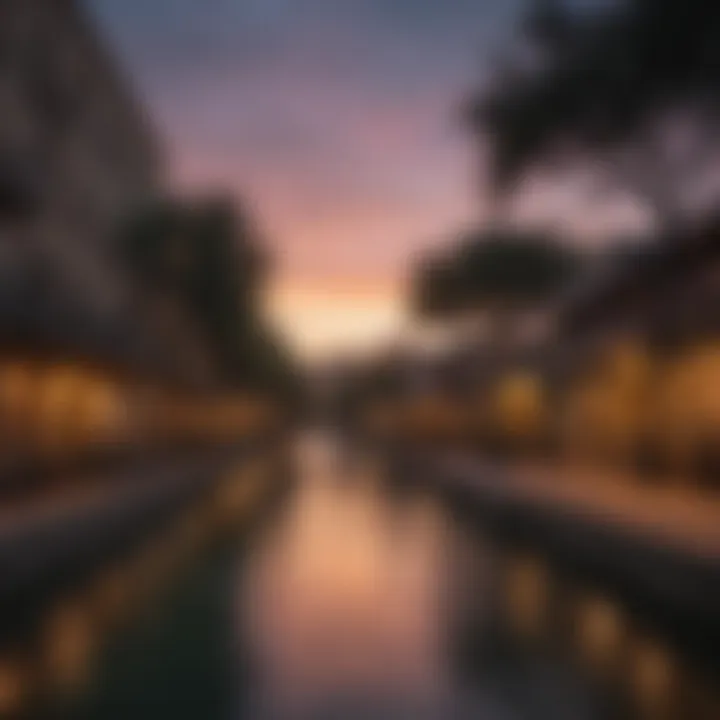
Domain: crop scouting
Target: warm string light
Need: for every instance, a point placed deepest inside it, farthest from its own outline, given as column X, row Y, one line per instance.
column 626, row 407
column 63, row 412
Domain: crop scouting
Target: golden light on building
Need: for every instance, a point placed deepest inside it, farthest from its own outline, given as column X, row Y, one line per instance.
column 527, row 588
column 606, row 409
column 68, row 643
column 629, row 367
column 600, row 632
column 653, row 677
column 518, row 407
column 687, row 420
column 101, row 412
column 59, row 388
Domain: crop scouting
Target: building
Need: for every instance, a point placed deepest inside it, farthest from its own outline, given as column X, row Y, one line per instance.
column 641, row 350
column 665, row 295
column 75, row 144
column 78, row 157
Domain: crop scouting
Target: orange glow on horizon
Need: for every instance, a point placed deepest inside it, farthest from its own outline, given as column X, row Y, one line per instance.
column 323, row 317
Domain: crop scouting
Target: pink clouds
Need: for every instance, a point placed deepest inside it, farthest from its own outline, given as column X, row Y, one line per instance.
column 336, row 120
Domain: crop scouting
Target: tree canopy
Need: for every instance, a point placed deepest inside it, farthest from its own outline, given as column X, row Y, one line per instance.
column 490, row 270
column 631, row 88
column 204, row 256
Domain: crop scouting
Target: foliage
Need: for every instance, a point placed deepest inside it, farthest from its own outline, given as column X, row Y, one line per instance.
column 487, row 270
column 630, row 89
column 204, row 257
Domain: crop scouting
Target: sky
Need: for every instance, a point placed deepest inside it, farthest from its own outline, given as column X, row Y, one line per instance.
column 337, row 121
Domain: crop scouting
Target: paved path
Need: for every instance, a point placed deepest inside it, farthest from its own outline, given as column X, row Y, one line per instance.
column 671, row 513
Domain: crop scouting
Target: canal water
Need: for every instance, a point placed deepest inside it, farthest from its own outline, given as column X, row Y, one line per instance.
column 356, row 598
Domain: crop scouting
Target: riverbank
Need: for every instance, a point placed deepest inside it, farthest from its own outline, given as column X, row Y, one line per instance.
column 656, row 549
column 73, row 568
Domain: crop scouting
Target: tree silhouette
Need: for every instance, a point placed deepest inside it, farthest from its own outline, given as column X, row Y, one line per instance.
column 630, row 90
column 496, row 271
column 204, row 258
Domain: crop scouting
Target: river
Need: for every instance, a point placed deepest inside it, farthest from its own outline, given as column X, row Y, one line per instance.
column 354, row 598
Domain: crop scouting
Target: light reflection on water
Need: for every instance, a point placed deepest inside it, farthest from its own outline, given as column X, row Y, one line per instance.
column 349, row 602
column 353, row 603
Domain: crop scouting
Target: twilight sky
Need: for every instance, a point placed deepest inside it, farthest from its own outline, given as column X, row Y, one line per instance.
column 336, row 119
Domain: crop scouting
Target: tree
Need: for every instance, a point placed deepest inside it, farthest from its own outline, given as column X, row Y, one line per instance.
column 630, row 90
column 224, row 277
column 498, row 272
column 203, row 258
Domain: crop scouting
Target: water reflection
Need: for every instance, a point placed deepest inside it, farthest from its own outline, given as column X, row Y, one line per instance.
column 347, row 597
column 364, row 597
